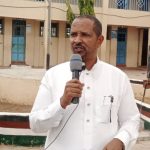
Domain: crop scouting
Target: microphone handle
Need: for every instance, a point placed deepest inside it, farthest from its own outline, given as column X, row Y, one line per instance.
column 75, row 75
column 75, row 100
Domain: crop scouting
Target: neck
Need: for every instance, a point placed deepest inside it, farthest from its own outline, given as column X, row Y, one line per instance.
column 90, row 63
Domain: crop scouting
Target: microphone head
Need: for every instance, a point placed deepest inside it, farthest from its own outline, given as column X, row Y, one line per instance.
column 76, row 62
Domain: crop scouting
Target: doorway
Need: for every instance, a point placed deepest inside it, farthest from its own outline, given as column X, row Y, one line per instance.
column 144, row 48
column 18, row 41
column 121, row 46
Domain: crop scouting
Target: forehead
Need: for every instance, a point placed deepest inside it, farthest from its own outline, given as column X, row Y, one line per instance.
column 83, row 24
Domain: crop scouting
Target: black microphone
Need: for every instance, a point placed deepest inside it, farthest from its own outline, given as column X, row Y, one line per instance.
column 148, row 64
column 76, row 68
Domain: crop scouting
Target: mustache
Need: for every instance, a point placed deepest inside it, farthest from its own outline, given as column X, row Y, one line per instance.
column 78, row 46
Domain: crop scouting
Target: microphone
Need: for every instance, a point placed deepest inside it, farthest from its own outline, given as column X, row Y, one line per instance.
column 148, row 64
column 76, row 68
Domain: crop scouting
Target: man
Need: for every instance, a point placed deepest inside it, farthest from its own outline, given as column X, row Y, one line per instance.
column 106, row 117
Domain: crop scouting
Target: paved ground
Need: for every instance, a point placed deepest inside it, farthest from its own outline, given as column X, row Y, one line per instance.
column 142, row 145
column 28, row 72
column 22, row 72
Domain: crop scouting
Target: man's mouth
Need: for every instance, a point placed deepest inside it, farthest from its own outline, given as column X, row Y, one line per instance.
column 78, row 49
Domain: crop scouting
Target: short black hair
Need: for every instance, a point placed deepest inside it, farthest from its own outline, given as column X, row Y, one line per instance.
column 97, row 24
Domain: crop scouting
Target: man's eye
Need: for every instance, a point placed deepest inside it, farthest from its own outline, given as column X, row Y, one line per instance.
column 80, row 34
column 73, row 34
column 85, row 34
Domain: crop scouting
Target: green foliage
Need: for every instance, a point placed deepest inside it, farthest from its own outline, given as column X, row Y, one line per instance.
column 86, row 7
column 70, row 14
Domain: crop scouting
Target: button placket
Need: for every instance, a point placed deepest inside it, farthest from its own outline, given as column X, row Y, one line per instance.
column 87, row 73
column 88, row 104
column 88, row 110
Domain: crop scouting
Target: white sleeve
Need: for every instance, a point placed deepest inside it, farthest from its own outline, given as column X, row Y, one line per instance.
column 46, row 112
column 128, row 115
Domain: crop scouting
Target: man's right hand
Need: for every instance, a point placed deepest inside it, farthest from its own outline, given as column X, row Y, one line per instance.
column 73, row 89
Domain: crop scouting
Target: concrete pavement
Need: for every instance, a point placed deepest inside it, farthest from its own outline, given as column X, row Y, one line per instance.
column 142, row 145
column 26, row 72
column 25, row 77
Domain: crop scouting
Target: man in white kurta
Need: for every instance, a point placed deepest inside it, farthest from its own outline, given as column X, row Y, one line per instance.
column 106, row 111
column 89, row 128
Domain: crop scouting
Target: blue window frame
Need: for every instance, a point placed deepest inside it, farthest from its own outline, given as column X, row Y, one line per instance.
column 122, row 4
column 18, row 41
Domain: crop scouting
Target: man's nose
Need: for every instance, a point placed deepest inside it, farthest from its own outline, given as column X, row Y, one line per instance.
column 78, row 39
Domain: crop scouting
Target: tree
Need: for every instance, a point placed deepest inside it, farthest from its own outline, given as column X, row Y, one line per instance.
column 86, row 7
column 70, row 15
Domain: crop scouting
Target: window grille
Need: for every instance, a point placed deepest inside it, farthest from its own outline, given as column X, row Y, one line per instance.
column 1, row 26
column 141, row 5
column 41, row 28
column 54, row 29
column 97, row 3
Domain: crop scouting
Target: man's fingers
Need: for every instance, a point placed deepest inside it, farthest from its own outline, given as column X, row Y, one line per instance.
column 73, row 89
column 74, row 84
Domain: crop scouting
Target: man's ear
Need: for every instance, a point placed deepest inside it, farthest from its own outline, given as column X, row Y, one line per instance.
column 101, row 38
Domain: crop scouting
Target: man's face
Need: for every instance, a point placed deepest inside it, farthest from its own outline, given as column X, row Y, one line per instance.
column 84, row 40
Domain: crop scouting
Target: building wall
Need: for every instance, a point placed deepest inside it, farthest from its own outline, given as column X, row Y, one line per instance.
column 54, row 51
column 61, row 43
column 7, row 42
column 68, row 50
column 23, row 9
column 36, row 46
column 29, row 55
column 1, row 49
column 58, row 11
column 111, row 49
column 60, row 46
column 132, row 47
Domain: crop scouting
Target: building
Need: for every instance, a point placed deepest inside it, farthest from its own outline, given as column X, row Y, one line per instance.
column 25, row 27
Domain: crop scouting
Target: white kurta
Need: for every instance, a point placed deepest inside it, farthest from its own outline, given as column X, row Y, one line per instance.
column 106, row 110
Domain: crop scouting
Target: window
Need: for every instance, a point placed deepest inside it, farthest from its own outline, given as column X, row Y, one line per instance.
column 68, row 28
column 1, row 26
column 19, row 27
column 122, row 34
column 41, row 28
column 54, row 29
column 59, row 1
column 143, row 4
column 98, row 3
column 122, row 4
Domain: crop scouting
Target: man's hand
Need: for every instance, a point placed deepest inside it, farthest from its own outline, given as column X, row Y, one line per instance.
column 115, row 144
column 73, row 88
